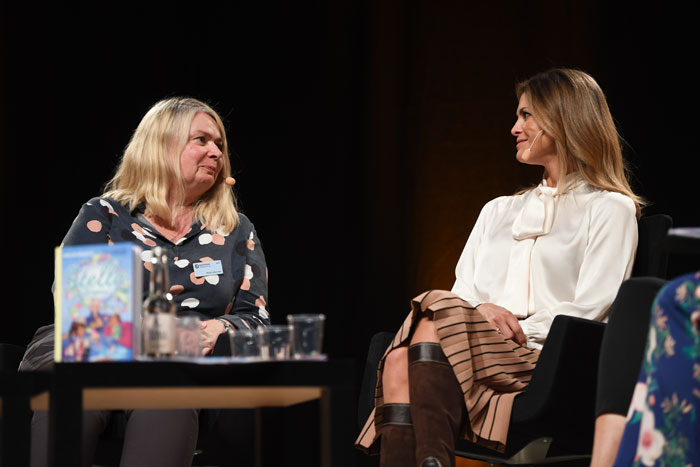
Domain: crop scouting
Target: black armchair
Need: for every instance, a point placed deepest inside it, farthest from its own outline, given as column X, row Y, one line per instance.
column 553, row 420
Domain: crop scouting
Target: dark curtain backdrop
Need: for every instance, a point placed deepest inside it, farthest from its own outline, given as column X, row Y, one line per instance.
column 366, row 135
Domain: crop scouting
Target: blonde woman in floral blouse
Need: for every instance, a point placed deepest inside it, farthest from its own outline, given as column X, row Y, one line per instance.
column 170, row 190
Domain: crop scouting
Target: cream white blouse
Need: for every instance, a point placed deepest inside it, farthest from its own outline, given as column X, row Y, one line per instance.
column 540, row 254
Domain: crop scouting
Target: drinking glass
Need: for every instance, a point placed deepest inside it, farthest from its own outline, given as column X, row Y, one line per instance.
column 275, row 341
column 307, row 334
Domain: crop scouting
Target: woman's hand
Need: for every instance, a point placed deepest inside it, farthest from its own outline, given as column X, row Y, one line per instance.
column 211, row 329
column 504, row 321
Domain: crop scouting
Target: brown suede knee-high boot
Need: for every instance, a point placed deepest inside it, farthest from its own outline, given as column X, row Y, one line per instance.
column 398, row 444
column 437, row 405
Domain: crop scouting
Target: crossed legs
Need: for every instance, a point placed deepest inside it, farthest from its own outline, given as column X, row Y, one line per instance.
column 419, row 381
column 395, row 376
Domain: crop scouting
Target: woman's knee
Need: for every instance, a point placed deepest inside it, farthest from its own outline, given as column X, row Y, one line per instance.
column 395, row 376
column 425, row 331
column 160, row 437
column 94, row 423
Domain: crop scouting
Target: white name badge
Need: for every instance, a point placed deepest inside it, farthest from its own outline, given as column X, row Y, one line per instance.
column 209, row 268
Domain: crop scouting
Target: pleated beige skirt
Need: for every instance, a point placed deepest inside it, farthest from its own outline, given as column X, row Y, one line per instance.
column 491, row 369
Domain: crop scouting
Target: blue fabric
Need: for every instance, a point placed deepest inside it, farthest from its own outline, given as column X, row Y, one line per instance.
column 662, row 423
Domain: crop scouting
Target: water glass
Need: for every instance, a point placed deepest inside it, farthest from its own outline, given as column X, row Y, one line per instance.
column 275, row 341
column 244, row 344
column 189, row 336
column 307, row 334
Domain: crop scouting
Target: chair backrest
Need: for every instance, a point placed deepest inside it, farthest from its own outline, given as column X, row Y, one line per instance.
column 652, row 258
column 377, row 346
column 10, row 356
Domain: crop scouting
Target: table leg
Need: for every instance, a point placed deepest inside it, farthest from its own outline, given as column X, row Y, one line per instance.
column 65, row 420
column 337, row 425
column 270, row 443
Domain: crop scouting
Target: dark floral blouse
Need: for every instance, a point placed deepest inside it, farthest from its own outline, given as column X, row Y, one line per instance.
column 662, row 422
column 238, row 294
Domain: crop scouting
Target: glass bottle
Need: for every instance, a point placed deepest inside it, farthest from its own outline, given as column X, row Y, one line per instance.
column 159, row 338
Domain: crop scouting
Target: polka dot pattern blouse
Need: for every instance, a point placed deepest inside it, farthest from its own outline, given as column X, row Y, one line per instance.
column 238, row 294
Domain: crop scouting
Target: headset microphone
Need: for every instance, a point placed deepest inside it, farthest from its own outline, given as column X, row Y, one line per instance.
column 535, row 140
column 230, row 181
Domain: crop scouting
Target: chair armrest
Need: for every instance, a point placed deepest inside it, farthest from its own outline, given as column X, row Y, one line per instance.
column 565, row 378
column 568, row 365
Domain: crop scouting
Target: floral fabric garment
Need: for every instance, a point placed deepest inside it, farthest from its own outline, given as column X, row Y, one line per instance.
column 662, row 426
column 238, row 294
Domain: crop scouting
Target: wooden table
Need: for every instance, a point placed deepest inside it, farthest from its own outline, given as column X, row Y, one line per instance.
column 173, row 384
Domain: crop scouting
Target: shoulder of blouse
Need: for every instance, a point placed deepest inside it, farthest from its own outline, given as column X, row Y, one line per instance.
column 106, row 202
column 96, row 201
column 502, row 203
column 99, row 203
column 613, row 201
column 244, row 227
column 243, row 221
column 499, row 201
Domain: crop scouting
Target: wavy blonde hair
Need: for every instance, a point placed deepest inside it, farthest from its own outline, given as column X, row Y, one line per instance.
column 571, row 108
column 145, row 173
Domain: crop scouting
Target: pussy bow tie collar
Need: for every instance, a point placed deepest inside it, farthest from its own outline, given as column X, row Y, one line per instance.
column 537, row 214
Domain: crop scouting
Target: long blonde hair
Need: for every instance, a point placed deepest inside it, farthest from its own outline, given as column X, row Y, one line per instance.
column 572, row 109
column 145, row 173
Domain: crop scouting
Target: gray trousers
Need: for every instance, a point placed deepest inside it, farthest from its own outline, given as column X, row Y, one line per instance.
column 153, row 437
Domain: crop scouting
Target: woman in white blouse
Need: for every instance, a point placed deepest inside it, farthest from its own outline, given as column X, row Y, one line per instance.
column 563, row 247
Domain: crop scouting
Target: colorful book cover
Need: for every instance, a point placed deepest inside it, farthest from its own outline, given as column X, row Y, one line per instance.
column 97, row 302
